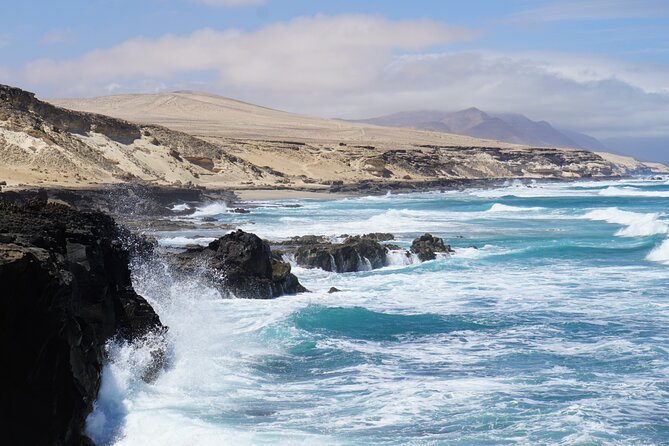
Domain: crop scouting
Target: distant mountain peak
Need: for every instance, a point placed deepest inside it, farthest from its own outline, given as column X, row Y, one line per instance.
column 507, row 127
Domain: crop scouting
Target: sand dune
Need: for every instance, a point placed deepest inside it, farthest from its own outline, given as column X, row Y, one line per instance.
column 207, row 115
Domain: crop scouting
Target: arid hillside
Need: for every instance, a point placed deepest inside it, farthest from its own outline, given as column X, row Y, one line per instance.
column 184, row 138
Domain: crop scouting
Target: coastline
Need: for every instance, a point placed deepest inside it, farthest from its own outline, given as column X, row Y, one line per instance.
column 107, row 194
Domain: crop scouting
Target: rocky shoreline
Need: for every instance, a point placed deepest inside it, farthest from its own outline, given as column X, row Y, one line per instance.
column 66, row 291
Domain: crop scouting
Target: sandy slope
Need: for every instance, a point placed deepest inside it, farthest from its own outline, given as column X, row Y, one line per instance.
column 207, row 140
column 202, row 114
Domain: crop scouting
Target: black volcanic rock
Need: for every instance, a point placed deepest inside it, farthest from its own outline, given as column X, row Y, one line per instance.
column 243, row 265
column 427, row 245
column 356, row 253
column 66, row 291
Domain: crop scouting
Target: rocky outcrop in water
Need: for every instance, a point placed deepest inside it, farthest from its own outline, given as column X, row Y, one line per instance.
column 242, row 265
column 355, row 253
column 66, row 291
column 426, row 246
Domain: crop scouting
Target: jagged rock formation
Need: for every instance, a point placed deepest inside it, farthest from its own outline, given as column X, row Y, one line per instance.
column 130, row 203
column 355, row 253
column 241, row 265
column 426, row 246
column 66, row 291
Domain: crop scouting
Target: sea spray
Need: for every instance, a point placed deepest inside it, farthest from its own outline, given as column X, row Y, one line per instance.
column 210, row 210
column 636, row 224
column 660, row 253
column 551, row 331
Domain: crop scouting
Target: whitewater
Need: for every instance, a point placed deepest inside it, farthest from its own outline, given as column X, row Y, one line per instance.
column 548, row 325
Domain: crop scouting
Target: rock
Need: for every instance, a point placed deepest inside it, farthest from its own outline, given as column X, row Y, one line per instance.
column 379, row 236
column 240, row 211
column 242, row 265
column 201, row 161
column 333, row 290
column 304, row 240
column 427, row 245
column 356, row 253
column 66, row 291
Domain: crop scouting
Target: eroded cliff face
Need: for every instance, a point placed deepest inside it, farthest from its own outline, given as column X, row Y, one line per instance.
column 41, row 144
column 65, row 291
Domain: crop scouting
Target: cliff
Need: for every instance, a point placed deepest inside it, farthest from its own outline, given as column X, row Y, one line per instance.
column 66, row 291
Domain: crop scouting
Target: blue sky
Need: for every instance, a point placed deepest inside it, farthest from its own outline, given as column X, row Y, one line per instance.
column 599, row 66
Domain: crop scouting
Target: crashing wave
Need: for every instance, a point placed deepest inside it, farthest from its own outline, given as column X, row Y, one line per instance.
column 660, row 253
column 636, row 224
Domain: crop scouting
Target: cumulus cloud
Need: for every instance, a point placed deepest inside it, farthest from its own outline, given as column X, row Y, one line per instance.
column 341, row 52
column 537, row 86
column 358, row 66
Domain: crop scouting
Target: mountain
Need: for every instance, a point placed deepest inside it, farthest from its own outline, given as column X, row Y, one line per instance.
column 216, row 142
column 507, row 127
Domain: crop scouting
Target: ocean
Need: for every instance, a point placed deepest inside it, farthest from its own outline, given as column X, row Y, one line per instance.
column 549, row 325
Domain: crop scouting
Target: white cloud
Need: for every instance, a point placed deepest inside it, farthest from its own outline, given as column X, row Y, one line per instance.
column 359, row 66
column 336, row 53
column 537, row 86
column 573, row 10
column 230, row 2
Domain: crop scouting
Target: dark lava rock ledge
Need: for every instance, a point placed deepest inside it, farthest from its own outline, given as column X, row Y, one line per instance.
column 65, row 291
column 239, row 264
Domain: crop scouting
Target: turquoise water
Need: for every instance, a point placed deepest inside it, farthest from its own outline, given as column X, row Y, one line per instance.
column 549, row 325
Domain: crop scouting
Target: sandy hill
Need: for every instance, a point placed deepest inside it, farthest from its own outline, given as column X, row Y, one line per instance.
column 207, row 140
column 208, row 115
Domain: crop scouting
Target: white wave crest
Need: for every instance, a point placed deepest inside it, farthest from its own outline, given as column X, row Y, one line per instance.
column 499, row 207
column 180, row 207
column 633, row 192
column 211, row 210
column 179, row 242
column 531, row 192
column 636, row 224
column 660, row 253
column 401, row 258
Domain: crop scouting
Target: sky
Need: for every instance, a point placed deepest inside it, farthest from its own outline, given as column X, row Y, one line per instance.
column 596, row 66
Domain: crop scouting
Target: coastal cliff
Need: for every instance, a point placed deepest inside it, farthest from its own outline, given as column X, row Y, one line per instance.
column 196, row 140
column 66, row 291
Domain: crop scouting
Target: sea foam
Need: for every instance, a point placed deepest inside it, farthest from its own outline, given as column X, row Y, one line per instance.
column 660, row 253
column 210, row 210
column 499, row 207
column 636, row 224
column 633, row 192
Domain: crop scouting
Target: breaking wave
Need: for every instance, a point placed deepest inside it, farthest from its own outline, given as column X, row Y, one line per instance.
column 636, row 224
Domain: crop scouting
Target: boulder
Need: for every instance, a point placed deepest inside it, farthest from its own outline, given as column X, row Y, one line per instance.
column 242, row 265
column 356, row 253
column 66, row 291
column 426, row 246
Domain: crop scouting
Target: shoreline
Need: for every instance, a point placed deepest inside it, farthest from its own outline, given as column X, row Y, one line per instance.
column 235, row 195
